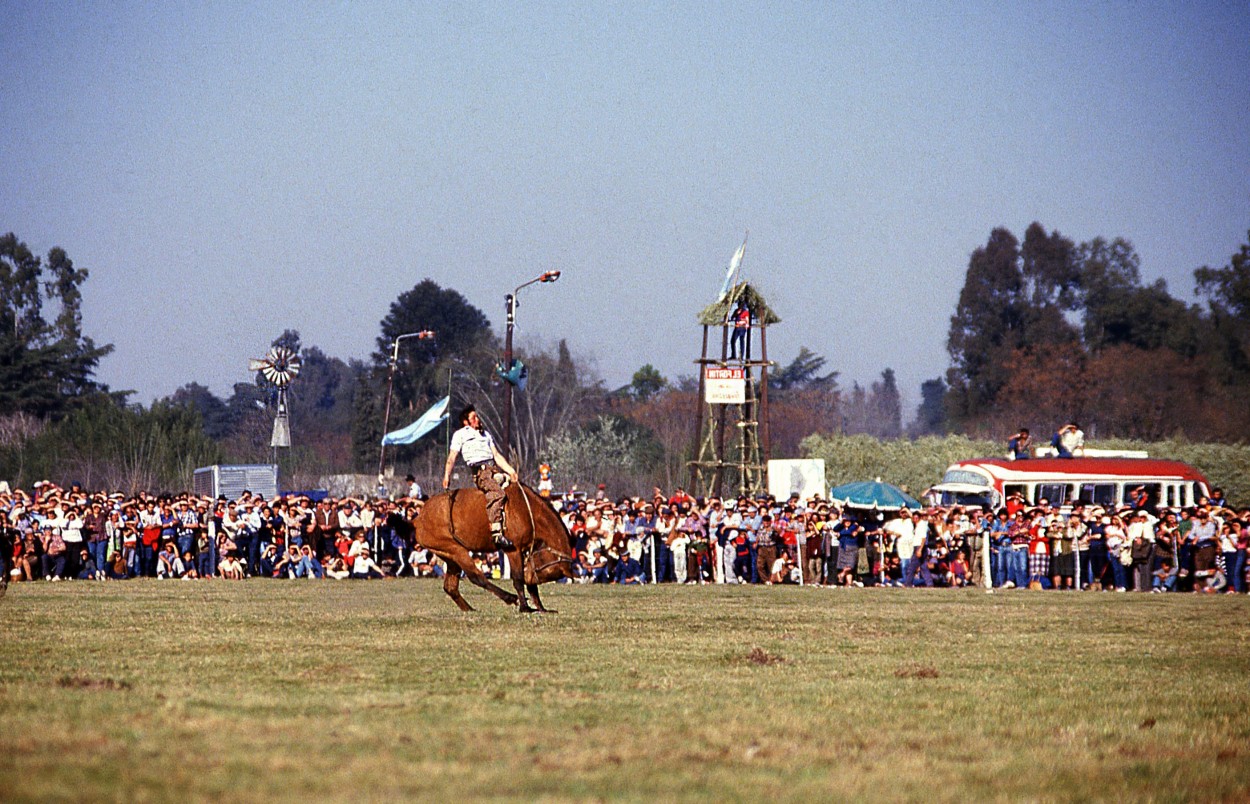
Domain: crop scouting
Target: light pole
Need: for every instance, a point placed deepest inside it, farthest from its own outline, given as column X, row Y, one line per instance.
column 510, row 306
column 425, row 334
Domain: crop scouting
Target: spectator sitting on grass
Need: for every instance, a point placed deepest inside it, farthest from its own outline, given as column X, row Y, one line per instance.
column 425, row 564
column 336, row 568
column 628, row 570
column 364, row 566
column 777, row 573
column 958, row 571
column 88, row 570
column 267, row 567
column 230, row 568
column 115, row 569
column 165, row 562
column 355, row 548
column 1216, row 581
column 285, row 567
column 309, row 566
column 595, row 565
column 1165, row 576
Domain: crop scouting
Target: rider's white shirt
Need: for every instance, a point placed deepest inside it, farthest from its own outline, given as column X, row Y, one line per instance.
column 475, row 446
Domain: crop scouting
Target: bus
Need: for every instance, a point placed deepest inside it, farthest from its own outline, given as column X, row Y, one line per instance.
column 1105, row 481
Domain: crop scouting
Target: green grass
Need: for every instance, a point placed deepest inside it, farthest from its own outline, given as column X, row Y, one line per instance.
column 383, row 690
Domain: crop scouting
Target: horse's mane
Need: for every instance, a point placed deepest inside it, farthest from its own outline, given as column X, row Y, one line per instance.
column 552, row 509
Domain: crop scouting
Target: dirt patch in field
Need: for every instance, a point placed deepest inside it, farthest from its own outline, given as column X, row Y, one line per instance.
column 758, row 655
column 916, row 671
column 86, row 683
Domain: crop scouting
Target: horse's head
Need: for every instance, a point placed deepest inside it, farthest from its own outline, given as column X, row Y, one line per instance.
column 551, row 557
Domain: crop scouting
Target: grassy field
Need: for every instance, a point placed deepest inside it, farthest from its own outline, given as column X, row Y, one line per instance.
column 383, row 690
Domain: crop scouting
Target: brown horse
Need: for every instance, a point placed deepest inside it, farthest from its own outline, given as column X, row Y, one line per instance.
column 454, row 524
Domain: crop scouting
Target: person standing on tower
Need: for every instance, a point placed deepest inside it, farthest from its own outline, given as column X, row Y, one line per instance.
column 741, row 318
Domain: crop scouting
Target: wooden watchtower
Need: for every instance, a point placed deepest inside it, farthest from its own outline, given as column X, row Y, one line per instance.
column 731, row 425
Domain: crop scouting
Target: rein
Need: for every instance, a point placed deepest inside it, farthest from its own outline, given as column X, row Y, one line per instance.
column 560, row 558
column 529, row 553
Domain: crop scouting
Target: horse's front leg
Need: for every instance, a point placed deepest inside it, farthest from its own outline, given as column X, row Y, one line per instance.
column 533, row 590
column 518, row 581
column 524, row 604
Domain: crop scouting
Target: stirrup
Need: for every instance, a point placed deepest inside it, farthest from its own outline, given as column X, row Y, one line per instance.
column 502, row 542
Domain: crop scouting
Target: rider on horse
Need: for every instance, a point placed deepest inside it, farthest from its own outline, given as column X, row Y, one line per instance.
column 476, row 446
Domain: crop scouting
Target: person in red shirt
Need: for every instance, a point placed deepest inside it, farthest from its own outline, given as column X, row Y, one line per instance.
column 741, row 318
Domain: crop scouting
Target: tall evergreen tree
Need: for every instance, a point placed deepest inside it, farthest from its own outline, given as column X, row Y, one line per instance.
column 886, row 407
column 460, row 330
column 988, row 323
column 366, row 427
column 46, row 368
column 1119, row 311
column 930, row 413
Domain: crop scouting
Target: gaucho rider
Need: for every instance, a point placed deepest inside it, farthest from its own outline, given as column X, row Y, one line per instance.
column 478, row 449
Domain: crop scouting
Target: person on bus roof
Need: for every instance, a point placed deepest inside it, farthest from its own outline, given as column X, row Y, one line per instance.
column 1020, row 444
column 1069, row 441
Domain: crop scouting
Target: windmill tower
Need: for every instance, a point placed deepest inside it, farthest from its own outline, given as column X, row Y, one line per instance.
column 731, row 427
column 279, row 367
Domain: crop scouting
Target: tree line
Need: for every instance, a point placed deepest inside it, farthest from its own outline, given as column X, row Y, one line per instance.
column 1045, row 330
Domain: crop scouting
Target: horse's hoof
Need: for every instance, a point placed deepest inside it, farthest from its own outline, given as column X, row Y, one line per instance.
column 511, row 600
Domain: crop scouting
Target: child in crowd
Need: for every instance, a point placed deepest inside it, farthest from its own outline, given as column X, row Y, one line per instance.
column 230, row 568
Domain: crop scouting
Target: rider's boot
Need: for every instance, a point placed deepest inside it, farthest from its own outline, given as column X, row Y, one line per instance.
column 502, row 542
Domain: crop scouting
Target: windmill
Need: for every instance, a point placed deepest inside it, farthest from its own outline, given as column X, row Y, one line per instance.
column 279, row 367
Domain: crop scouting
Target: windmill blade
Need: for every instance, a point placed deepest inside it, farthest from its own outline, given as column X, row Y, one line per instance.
column 280, row 366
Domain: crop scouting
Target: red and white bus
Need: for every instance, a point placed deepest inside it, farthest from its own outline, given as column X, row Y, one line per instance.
column 1105, row 481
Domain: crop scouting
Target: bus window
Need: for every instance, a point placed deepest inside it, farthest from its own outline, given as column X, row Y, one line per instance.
column 1154, row 493
column 1016, row 488
column 1054, row 493
column 1098, row 494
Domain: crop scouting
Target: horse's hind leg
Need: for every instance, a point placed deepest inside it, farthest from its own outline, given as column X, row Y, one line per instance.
column 478, row 578
column 451, row 585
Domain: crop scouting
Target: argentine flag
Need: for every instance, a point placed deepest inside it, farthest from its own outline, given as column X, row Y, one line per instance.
column 432, row 418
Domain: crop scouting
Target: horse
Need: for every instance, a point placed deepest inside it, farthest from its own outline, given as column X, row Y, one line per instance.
column 453, row 524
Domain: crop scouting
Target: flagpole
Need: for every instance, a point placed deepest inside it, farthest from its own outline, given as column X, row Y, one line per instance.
column 390, row 385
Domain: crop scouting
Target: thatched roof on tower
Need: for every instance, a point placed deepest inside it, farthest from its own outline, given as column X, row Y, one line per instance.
column 717, row 313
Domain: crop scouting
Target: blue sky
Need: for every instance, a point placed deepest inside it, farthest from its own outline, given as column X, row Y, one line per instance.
column 230, row 170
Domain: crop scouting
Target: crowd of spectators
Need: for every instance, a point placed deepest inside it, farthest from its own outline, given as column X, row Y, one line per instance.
column 54, row 534
column 766, row 541
column 57, row 534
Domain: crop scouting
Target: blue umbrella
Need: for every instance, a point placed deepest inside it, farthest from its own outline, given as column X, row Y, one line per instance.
column 873, row 495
